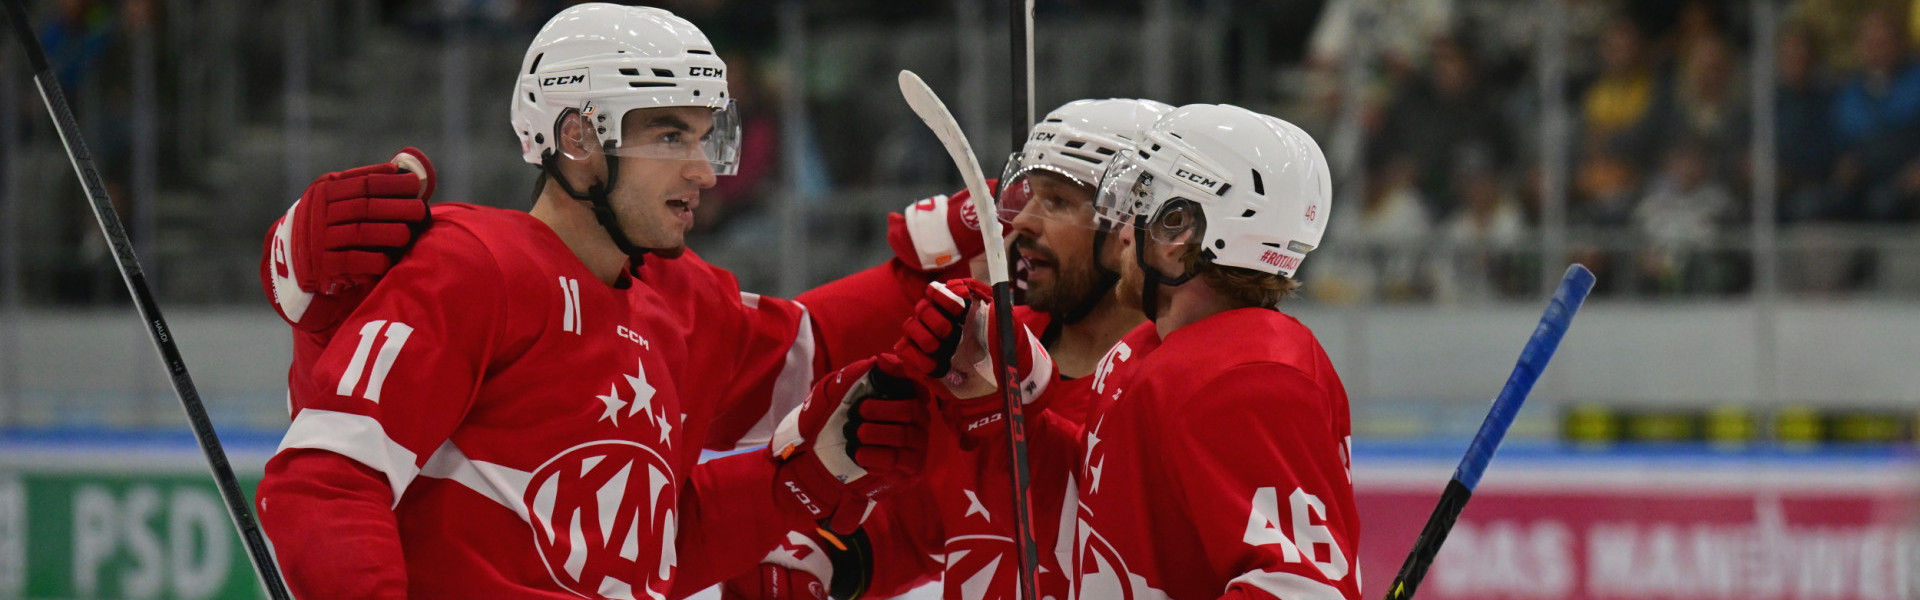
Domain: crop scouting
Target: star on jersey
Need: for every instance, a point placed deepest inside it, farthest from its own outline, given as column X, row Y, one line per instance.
column 974, row 507
column 642, row 400
column 666, row 430
column 1093, row 468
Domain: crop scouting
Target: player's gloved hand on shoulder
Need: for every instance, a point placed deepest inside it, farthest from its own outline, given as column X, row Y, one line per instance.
column 938, row 233
column 799, row 569
column 349, row 226
column 861, row 432
column 345, row 232
column 952, row 338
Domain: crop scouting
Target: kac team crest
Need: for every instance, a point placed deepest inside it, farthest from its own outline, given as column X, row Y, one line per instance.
column 602, row 510
column 1104, row 572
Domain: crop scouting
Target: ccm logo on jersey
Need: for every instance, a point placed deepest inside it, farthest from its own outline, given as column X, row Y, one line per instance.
column 1280, row 260
column 573, row 79
column 703, row 72
column 622, row 331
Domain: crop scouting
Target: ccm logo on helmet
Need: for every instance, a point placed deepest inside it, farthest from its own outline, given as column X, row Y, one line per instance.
column 568, row 80
column 1201, row 180
column 1044, row 136
column 703, row 72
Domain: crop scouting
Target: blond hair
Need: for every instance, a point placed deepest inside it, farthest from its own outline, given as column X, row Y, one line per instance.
column 1246, row 287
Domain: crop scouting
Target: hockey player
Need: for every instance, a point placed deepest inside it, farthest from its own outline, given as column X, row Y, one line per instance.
column 958, row 527
column 511, row 412
column 1214, row 463
column 1216, row 459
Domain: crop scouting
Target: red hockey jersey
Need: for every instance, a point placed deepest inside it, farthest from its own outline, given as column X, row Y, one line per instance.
column 783, row 359
column 957, row 524
column 1216, row 466
column 493, row 421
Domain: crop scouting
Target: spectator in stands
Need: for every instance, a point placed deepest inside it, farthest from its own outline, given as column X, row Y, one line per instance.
column 1710, row 103
column 1833, row 23
column 1605, row 185
column 1441, row 116
column 76, row 39
column 1400, row 31
column 1482, row 233
column 1877, row 120
column 1685, row 206
column 1392, row 223
column 1620, row 110
column 1804, row 150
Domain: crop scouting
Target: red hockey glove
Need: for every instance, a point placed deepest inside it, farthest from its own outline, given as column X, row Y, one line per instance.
column 952, row 337
column 937, row 233
column 349, row 226
column 346, row 231
column 861, row 432
column 797, row 570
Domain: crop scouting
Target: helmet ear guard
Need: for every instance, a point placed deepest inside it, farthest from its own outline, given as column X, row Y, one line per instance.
column 1180, row 222
column 572, row 135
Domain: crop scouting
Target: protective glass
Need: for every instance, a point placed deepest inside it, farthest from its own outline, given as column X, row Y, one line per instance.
column 1050, row 200
column 720, row 146
column 1126, row 188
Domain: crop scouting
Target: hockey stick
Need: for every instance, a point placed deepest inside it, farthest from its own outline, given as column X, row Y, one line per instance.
column 1020, row 26
column 934, row 112
column 1533, row 360
column 69, row 130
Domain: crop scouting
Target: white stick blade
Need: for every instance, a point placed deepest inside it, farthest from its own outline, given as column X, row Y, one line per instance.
column 934, row 113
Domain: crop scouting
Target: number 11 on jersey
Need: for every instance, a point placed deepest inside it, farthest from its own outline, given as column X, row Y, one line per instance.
column 395, row 338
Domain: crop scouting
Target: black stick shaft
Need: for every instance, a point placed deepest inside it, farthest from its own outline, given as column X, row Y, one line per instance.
column 1017, row 443
column 1020, row 25
column 1432, row 536
column 1020, row 54
column 116, row 235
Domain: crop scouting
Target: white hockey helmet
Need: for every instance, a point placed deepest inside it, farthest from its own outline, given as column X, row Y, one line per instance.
column 601, row 60
column 1261, row 186
column 1075, row 141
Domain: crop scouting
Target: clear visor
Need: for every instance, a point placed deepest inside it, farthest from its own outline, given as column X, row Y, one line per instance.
column 1053, row 195
column 1125, row 190
column 667, row 136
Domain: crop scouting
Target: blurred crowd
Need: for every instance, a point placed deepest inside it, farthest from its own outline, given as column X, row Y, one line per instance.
column 1434, row 111
column 1659, row 174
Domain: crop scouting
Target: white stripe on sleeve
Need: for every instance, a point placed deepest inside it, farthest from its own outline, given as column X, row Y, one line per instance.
column 1288, row 586
column 358, row 437
column 790, row 387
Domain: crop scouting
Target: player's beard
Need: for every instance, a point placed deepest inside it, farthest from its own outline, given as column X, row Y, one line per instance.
column 1072, row 285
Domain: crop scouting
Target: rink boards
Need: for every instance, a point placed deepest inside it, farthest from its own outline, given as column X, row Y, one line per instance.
column 1659, row 523
column 141, row 519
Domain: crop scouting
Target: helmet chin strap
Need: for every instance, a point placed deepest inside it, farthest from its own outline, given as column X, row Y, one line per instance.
column 602, row 207
column 1153, row 279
